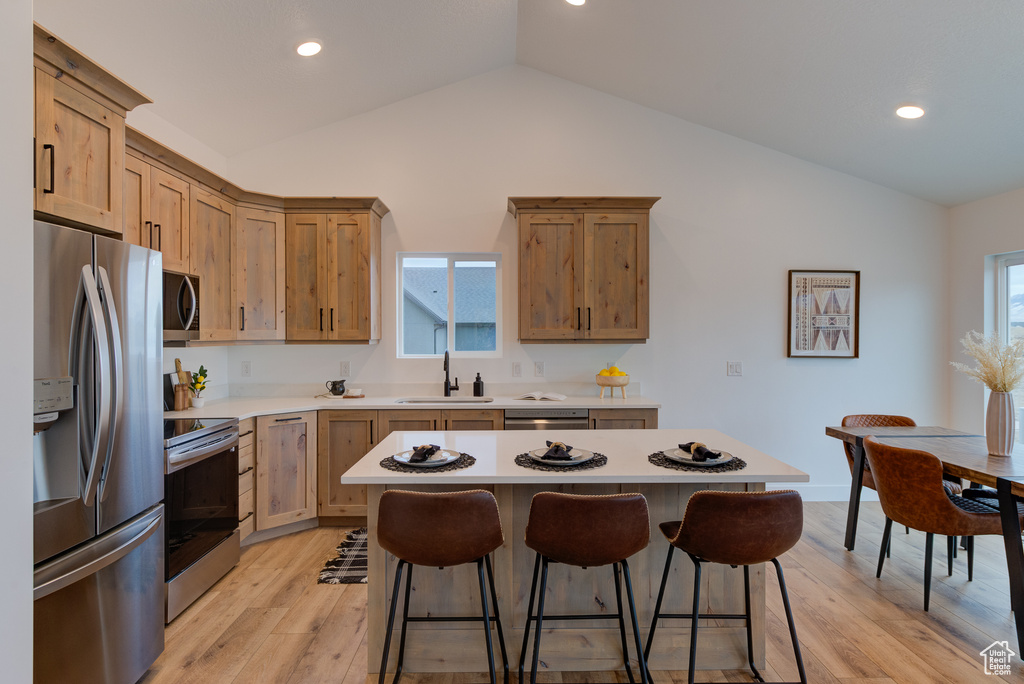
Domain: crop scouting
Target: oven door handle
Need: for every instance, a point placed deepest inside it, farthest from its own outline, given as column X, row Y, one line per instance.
column 176, row 460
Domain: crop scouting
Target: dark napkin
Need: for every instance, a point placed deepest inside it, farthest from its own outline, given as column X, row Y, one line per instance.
column 423, row 452
column 700, row 452
column 557, row 452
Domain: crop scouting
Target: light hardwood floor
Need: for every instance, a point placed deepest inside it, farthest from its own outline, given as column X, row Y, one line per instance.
column 269, row 621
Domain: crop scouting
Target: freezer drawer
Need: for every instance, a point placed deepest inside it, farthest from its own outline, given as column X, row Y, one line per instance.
column 98, row 614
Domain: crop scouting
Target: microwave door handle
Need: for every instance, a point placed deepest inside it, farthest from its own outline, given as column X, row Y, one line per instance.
column 116, row 397
column 102, row 362
column 186, row 312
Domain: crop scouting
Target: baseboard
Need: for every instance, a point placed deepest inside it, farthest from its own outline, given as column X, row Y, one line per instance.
column 290, row 528
column 342, row 521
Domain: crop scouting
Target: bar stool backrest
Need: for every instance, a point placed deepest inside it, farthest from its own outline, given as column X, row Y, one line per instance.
column 588, row 530
column 740, row 528
column 438, row 528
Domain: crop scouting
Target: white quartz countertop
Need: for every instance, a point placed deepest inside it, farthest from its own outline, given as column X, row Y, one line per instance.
column 627, row 452
column 247, row 407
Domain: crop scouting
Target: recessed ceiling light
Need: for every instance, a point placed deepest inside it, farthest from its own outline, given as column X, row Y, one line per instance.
column 308, row 49
column 910, row 112
column 576, row 2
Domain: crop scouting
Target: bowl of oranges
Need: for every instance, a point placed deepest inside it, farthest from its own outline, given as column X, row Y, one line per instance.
column 612, row 377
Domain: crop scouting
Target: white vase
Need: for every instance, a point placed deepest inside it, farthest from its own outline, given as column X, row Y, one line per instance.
column 198, row 402
column 999, row 427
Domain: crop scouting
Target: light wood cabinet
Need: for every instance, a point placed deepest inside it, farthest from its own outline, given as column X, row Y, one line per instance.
column 156, row 212
column 343, row 438
column 332, row 277
column 472, row 419
column 583, row 268
column 246, row 477
column 259, row 274
column 286, row 456
column 393, row 420
column 212, row 255
column 623, row 419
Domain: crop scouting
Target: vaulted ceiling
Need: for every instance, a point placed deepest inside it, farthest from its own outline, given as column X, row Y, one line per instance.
column 816, row 79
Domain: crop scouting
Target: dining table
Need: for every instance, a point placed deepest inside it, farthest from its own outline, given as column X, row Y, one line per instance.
column 966, row 456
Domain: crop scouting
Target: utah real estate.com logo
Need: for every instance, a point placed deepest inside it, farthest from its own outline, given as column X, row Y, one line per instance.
column 997, row 658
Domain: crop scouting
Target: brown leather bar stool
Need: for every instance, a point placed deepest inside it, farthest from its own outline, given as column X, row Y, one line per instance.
column 733, row 528
column 586, row 531
column 440, row 530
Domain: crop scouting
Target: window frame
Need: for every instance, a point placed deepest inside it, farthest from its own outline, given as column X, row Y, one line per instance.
column 1002, row 298
column 452, row 258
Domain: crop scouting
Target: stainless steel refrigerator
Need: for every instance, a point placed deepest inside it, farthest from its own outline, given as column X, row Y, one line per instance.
column 98, row 458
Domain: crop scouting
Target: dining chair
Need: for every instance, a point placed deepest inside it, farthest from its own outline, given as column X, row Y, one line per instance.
column 910, row 487
column 732, row 528
column 440, row 529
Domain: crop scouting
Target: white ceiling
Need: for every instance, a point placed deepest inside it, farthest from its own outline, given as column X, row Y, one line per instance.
column 816, row 79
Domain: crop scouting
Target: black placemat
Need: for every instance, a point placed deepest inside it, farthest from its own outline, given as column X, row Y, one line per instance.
column 526, row 461
column 463, row 461
column 658, row 458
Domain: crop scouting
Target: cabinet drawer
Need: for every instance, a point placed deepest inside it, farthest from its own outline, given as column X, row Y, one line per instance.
column 246, row 527
column 246, row 432
column 246, row 458
column 245, row 481
column 245, row 505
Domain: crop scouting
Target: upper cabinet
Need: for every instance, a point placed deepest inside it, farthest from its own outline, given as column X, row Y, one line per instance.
column 259, row 274
column 79, row 137
column 332, row 271
column 583, row 268
column 156, row 212
column 212, row 255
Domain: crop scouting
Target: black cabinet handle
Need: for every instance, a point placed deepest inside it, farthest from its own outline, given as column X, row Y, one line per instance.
column 245, row 433
column 332, row 319
column 579, row 323
column 247, row 470
column 150, row 243
column 286, row 420
column 243, row 317
column 159, row 238
column 53, row 154
column 246, row 517
column 588, row 318
column 321, row 319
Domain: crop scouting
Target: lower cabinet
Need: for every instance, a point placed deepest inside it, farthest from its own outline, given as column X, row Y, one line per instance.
column 393, row 420
column 246, row 477
column 472, row 419
column 285, row 468
column 343, row 438
column 623, row 419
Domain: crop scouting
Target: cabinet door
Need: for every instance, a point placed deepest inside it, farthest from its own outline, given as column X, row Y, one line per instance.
column 623, row 419
column 550, row 288
column 348, row 277
column 422, row 420
column 285, row 469
column 472, row 419
column 212, row 254
column 616, row 270
column 79, row 156
column 259, row 274
column 343, row 438
column 305, row 276
column 169, row 213
column 136, row 224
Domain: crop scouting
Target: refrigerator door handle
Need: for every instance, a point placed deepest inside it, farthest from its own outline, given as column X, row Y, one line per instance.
column 116, row 400
column 99, row 333
column 66, row 571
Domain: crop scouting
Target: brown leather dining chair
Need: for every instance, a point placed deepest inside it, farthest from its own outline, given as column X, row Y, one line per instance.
column 910, row 488
column 733, row 528
column 440, row 529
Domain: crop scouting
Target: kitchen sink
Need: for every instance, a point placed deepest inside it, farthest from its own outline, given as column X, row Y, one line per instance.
column 444, row 400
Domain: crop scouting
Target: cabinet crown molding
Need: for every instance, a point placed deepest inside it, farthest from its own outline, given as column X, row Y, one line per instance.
column 517, row 204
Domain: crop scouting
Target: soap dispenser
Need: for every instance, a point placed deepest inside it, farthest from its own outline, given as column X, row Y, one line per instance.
column 478, row 386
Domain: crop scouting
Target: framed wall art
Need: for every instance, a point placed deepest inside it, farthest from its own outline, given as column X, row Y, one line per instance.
column 824, row 314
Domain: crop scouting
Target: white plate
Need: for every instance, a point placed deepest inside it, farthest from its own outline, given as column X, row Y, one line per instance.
column 681, row 456
column 439, row 458
column 578, row 456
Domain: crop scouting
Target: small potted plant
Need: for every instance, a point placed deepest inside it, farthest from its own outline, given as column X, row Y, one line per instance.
column 197, row 385
column 1000, row 367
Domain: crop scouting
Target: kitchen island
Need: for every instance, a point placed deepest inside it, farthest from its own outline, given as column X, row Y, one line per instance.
column 575, row 645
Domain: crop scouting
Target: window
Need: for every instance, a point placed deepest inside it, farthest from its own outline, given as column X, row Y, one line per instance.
column 1010, row 310
column 449, row 302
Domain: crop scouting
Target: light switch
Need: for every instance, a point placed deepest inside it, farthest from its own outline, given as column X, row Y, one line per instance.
column 734, row 368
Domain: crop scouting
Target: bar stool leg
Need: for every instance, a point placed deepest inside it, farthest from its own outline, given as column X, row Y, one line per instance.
column 540, row 619
column 657, row 605
column 405, row 625
column 642, row 664
column 391, row 622
column 486, row 621
column 693, row 619
column 529, row 618
column 886, row 539
column 750, row 631
column 790, row 620
column 622, row 623
column 497, row 617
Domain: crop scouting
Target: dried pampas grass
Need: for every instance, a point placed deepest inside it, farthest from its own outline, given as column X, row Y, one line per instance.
column 1000, row 366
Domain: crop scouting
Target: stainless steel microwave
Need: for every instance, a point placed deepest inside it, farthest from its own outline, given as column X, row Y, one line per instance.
column 181, row 307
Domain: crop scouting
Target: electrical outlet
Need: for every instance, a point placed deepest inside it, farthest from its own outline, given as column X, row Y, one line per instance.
column 247, row 369
column 734, row 368
column 538, row 369
column 346, row 369
column 517, row 369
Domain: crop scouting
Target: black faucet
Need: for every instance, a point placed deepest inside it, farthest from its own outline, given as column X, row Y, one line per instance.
column 448, row 386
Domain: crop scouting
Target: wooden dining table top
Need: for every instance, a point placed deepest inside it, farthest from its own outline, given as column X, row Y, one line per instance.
column 855, row 435
column 967, row 456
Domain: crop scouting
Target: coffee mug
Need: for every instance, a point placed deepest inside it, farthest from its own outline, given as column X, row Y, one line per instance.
column 336, row 387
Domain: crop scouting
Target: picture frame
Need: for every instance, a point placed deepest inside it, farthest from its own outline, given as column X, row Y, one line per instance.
column 824, row 314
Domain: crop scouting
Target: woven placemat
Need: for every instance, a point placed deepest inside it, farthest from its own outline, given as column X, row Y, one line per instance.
column 525, row 461
column 658, row 458
column 463, row 461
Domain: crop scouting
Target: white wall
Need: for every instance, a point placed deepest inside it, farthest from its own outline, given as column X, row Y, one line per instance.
column 16, row 356
column 734, row 217
column 979, row 229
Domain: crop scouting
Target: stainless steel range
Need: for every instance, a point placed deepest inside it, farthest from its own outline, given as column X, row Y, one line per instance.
column 201, row 503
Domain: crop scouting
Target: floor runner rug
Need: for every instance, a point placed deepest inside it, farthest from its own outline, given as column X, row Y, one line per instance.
column 350, row 565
